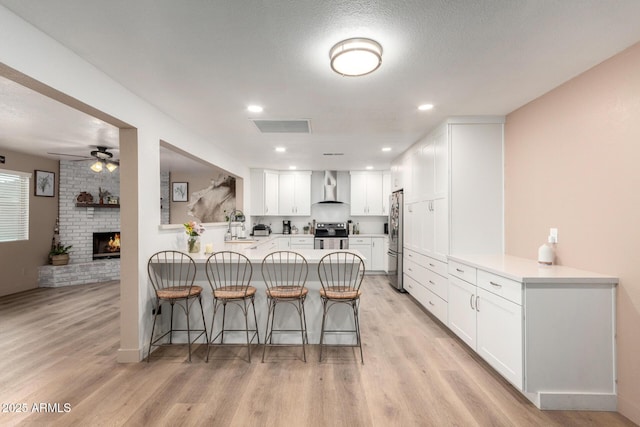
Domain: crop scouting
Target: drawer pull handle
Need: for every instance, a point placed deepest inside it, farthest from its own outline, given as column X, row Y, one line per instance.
column 431, row 265
column 430, row 303
column 409, row 269
column 497, row 285
column 459, row 270
column 432, row 282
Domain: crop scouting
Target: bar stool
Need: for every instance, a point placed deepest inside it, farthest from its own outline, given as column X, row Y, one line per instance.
column 172, row 274
column 285, row 274
column 341, row 275
column 229, row 274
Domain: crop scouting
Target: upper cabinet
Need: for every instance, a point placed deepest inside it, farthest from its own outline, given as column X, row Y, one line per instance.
column 386, row 192
column 367, row 193
column 295, row 193
column 264, row 192
column 280, row 193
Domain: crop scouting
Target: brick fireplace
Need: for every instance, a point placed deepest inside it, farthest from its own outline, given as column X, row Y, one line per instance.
column 78, row 225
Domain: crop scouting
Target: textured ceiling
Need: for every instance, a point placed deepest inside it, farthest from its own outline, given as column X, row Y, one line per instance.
column 203, row 62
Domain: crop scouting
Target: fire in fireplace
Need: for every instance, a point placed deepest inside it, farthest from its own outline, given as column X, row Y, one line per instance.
column 106, row 245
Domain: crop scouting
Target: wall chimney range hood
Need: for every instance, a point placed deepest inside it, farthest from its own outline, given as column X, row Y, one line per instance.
column 330, row 183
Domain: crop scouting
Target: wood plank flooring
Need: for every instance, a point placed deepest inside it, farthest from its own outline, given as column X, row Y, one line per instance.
column 58, row 346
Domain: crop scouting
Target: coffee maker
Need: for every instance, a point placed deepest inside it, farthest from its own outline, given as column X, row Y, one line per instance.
column 286, row 227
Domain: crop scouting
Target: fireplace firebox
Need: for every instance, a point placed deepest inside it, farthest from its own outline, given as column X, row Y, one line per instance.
column 106, row 245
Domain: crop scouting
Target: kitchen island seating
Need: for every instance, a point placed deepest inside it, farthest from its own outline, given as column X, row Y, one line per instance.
column 172, row 275
column 285, row 274
column 341, row 275
column 229, row 275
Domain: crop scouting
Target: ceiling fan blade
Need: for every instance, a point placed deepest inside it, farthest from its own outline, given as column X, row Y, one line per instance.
column 70, row 155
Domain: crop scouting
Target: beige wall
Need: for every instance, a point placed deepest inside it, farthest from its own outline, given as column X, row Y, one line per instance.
column 572, row 161
column 19, row 261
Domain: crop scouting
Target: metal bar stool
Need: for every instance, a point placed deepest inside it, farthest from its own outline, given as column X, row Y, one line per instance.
column 229, row 275
column 285, row 274
column 172, row 274
column 341, row 275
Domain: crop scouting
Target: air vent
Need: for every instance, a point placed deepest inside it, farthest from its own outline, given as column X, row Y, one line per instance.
column 283, row 126
column 333, row 154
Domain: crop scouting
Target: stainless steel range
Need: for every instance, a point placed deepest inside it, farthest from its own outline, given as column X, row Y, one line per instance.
column 331, row 235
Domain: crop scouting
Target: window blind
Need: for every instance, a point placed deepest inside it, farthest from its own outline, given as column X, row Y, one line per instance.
column 14, row 205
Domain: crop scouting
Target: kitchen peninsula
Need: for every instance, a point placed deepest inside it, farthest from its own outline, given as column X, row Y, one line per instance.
column 256, row 249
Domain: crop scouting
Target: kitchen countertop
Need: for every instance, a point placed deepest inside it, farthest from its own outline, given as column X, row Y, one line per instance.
column 530, row 271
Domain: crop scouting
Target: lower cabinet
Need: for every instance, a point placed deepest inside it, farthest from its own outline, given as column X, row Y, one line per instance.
column 550, row 331
column 301, row 242
column 374, row 249
column 362, row 245
column 424, row 281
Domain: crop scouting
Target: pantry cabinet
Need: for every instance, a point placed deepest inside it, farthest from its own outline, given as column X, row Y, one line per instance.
column 367, row 193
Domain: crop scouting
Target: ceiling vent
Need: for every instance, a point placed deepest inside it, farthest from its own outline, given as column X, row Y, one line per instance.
column 283, row 126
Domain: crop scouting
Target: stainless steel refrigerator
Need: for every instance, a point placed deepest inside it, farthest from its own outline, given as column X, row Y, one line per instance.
column 395, row 240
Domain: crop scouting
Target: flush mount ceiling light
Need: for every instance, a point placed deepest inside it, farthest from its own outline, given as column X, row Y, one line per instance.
column 425, row 107
column 356, row 57
column 255, row 109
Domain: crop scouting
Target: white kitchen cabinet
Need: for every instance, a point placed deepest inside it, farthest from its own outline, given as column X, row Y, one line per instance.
column 366, row 193
column 264, row 192
column 432, row 287
column 550, row 330
column 362, row 245
column 294, row 193
column 301, row 242
column 386, row 192
column 456, row 190
column 378, row 253
column 284, row 243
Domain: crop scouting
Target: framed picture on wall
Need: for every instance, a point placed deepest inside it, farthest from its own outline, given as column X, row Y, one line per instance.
column 44, row 183
column 180, row 192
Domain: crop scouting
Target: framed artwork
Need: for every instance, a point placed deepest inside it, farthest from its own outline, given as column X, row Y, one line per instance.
column 180, row 192
column 44, row 183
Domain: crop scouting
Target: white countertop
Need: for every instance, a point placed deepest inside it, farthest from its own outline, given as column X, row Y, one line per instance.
column 530, row 271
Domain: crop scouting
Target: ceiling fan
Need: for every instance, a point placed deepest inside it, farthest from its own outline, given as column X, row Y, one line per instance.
column 104, row 159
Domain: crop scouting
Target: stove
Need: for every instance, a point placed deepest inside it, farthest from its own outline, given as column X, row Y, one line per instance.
column 331, row 235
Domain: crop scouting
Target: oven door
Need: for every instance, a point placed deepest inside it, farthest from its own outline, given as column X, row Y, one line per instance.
column 331, row 243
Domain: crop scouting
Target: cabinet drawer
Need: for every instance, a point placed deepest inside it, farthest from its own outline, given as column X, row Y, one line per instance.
column 416, row 271
column 302, row 241
column 436, row 266
column 433, row 303
column 506, row 288
column 359, row 241
column 463, row 271
column 437, row 284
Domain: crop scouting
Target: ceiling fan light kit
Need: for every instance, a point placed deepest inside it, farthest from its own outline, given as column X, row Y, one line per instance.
column 356, row 57
column 103, row 157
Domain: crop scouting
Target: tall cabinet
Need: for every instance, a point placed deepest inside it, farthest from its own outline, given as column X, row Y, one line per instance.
column 453, row 185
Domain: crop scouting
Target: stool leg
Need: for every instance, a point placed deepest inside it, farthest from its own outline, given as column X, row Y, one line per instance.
column 186, row 310
column 302, row 327
column 213, row 320
column 255, row 318
column 270, row 305
column 324, row 315
column 356, row 318
column 153, row 327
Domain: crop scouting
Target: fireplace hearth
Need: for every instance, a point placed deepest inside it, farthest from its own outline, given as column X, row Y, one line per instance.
column 106, row 245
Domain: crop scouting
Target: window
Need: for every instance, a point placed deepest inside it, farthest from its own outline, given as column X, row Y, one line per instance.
column 14, row 205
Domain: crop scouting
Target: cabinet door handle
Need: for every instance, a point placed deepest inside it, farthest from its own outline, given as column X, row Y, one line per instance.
column 477, row 306
column 430, row 303
column 497, row 285
column 471, row 302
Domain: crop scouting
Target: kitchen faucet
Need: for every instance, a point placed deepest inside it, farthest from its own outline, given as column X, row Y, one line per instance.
column 235, row 215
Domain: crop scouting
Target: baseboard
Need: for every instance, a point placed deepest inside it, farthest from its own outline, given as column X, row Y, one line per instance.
column 133, row 355
column 578, row 401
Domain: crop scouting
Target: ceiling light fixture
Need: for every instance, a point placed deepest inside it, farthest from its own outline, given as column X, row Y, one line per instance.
column 369, row 168
column 255, row 108
column 97, row 166
column 356, row 57
column 386, row 149
column 293, row 168
column 425, row 107
column 281, row 149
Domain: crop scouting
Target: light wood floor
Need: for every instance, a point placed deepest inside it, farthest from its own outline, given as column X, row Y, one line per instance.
column 59, row 346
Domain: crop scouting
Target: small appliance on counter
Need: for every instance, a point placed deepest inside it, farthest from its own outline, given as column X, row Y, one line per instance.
column 261, row 230
column 286, row 227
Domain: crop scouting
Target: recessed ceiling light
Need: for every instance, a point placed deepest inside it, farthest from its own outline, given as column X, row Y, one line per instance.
column 369, row 168
column 356, row 57
column 425, row 107
column 386, row 149
column 281, row 149
column 293, row 167
column 255, row 108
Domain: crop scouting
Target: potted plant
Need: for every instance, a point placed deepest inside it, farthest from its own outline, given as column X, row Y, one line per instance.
column 59, row 254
